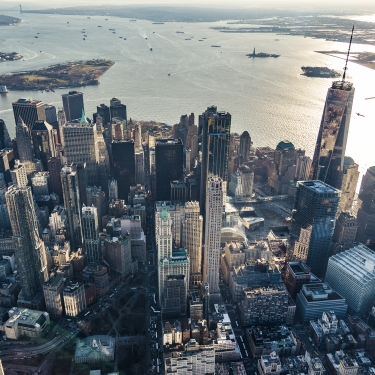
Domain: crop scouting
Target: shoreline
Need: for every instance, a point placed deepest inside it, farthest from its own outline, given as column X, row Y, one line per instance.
column 362, row 57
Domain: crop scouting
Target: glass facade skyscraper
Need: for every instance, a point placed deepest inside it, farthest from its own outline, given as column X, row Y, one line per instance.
column 328, row 161
column 315, row 208
column 214, row 130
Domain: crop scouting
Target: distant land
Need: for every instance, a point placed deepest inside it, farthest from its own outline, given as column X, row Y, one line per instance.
column 320, row 72
column 70, row 74
column 366, row 59
column 8, row 21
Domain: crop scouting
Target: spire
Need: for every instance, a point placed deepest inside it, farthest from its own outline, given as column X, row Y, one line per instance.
column 347, row 56
column 83, row 118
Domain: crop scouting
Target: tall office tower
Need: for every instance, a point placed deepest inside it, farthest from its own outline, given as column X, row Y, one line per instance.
column 328, row 160
column 245, row 145
column 5, row 141
column 345, row 232
column 51, row 116
column 112, row 189
column 214, row 127
column 53, row 295
column 97, row 198
column 123, row 166
column 43, row 142
column 82, row 182
column 138, row 136
column 164, row 233
column 61, row 120
column 315, row 208
column 168, row 166
column 25, row 151
column 29, row 110
column 192, row 232
column 282, row 171
column 117, row 109
column 54, row 168
column 103, row 111
column 117, row 253
column 19, row 175
column 366, row 209
column 303, row 166
column 72, row 204
column 212, row 231
column 29, row 249
column 90, row 231
column 139, row 167
column 81, row 146
column 350, row 177
column 73, row 105
column 352, row 274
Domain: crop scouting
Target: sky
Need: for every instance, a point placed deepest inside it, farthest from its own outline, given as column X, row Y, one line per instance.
column 291, row 4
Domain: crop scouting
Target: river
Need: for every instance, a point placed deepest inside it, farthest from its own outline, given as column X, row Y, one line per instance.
column 267, row 97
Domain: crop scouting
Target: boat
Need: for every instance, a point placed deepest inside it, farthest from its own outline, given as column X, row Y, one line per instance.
column 277, row 40
column 99, row 26
column 158, row 23
column 133, row 20
column 67, row 22
column 169, row 74
column 113, row 32
column 187, row 39
column 215, row 46
column 37, row 33
column 124, row 38
column 146, row 38
column 151, row 49
column 204, row 38
column 106, row 19
column 120, row 37
column 36, row 36
column 180, row 32
column 111, row 29
column 3, row 90
column 153, row 32
column 84, row 38
column 201, row 40
column 88, row 17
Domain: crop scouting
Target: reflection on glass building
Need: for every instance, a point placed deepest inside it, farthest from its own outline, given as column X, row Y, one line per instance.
column 314, row 211
column 328, row 161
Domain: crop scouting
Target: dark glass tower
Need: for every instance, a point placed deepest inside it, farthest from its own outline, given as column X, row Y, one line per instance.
column 123, row 166
column 103, row 111
column 117, row 109
column 313, row 223
column 168, row 166
column 245, row 145
column 43, row 142
column 214, row 129
column 328, row 161
column 73, row 105
column 366, row 211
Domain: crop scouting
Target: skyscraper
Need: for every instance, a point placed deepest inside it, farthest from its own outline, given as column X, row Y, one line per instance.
column 73, row 105
column 5, row 141
column 123, row 166
column 23, row 137
column 245, row 145
column 349, row 184
column 366, row 210
column 117, row 109
column 43, row 142
column 29, row 110
column 80, row 140
column 28, row 247
column 90, row 231
column 168, row 165
column 54, row 168
column 103, row 111
column 313, row 222
column 328, row 160
column 192, row 232
column 72, row 204
column 214, row 129
column 212, row 231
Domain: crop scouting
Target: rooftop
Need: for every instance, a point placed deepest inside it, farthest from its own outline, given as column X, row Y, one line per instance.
column 318, row 186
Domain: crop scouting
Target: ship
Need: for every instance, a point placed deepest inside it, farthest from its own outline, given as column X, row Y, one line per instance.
column 151, row 49
column 3, row 90
column 215, row 46
column 158, row 23
column 36, row 37
column 133, row 20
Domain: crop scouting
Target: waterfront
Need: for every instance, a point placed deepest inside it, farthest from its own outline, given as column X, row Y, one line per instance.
column 267, row 97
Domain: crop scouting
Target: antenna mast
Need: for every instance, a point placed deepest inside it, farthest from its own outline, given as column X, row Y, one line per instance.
column 347, row 56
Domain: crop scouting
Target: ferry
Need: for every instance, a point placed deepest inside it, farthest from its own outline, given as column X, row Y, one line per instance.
column 111, row 29
column 3, row 90
column 36, row 36
column 99, row 26
column 151, row 49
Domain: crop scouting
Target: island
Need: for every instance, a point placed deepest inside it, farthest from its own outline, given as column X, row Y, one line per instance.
column 8, row 20
column 261, row 54
column 319, row 71
column 10, row 56
column 70, row 74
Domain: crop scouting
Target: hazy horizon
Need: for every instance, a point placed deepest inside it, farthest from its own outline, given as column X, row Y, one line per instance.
column 338, row 6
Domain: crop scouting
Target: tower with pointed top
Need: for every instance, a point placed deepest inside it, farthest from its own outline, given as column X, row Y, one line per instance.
column 329, row 154
column 90, row 231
